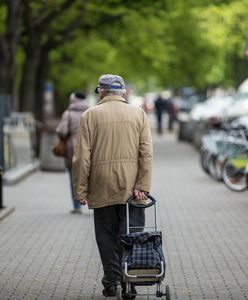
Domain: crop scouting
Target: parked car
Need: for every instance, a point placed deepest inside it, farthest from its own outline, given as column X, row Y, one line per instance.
column 212, row 109
column 240, row 103
column 238, row 108
column 184, row 107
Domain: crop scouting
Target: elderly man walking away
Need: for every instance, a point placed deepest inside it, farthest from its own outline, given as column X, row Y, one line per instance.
column 112, row 161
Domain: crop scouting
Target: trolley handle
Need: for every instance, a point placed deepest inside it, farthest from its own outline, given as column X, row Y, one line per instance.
column 151, row 203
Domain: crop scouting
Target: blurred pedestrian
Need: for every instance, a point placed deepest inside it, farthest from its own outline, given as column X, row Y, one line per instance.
column 159, row 110
column 112, row 161
column 145, row 105
column 170, row 109
column 67, row 128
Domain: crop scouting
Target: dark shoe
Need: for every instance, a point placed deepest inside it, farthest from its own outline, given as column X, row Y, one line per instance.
column 110, row 291
column 126, row 296
column 76, row 211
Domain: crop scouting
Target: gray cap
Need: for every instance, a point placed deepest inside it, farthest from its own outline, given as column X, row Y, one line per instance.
column 111, row 82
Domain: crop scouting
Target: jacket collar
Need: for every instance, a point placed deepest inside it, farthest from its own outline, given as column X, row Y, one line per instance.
column 112, row 98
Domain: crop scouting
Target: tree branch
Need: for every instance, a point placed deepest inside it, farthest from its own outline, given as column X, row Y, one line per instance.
column 2, row 44
column 66, row 33
column 14, row 21
column 106, row 20
column 46, row 20
column 63, row 36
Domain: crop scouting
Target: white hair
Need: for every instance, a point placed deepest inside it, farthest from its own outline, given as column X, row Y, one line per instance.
column 121, row 92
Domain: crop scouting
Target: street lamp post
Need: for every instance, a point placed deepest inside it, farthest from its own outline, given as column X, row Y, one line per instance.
column 1, row 188
column 4, row 112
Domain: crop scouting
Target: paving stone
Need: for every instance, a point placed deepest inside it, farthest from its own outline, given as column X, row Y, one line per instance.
column 47, row 253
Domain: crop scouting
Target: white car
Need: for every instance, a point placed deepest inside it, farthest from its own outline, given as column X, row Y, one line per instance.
column 240, row 105
column 238, row 108
column 214, row 107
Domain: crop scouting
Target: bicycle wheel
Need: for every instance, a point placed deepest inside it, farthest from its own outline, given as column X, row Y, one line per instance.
column 212, row 168
column 204, row 157
column 219, row 163
column 235, row 178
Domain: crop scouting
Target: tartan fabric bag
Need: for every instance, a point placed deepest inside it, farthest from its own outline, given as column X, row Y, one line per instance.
column 142, row 250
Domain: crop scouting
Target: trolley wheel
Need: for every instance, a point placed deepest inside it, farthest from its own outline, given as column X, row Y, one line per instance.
column 167, row 291
column 118, row 293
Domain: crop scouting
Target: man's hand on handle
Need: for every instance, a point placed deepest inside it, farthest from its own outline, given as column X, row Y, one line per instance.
column 140, row 195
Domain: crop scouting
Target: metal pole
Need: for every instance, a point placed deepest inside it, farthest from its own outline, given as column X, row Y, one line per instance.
column 4, row 112
column 1, row 188
column 127, row 217
column 155, row 216
column 1, row 143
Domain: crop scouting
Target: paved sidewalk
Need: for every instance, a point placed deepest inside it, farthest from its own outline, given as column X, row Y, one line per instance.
column 47, row 253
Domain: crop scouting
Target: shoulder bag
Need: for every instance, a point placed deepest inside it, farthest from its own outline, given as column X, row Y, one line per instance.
column 60, row 148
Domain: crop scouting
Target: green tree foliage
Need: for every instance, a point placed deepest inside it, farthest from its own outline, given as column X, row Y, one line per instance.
column 226, row 29
column 164, row 42
column 133, row 46
column 151, row 43
column 178, row 43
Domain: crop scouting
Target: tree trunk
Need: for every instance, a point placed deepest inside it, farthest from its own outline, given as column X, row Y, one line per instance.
column 40, row 79
column 8, row 46
column 40, row 41
column 34, row 76
column 29, row 71
column 4, row 87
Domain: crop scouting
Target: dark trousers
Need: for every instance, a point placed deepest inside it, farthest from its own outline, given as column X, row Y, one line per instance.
column 110, row 224
column 170, row 121
column 159, row 122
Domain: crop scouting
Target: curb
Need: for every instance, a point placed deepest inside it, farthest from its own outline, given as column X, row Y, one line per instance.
column 5, row 212
column 17, row 174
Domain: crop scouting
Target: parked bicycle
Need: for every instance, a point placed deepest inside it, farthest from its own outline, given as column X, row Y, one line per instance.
column 224, row 156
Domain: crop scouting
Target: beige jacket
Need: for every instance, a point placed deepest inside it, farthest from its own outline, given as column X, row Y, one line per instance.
column 113, row 153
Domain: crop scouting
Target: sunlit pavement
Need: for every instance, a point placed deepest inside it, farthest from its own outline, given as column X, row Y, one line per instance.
column 47, row 253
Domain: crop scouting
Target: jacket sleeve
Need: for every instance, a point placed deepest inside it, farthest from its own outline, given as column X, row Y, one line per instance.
column 143, row 181
column 81, row 160
column 63, row 127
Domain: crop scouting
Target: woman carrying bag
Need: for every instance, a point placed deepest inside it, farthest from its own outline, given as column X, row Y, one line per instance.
column 67, row 130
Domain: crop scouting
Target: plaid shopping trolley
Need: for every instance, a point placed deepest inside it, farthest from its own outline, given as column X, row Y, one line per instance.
column 143, row 262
